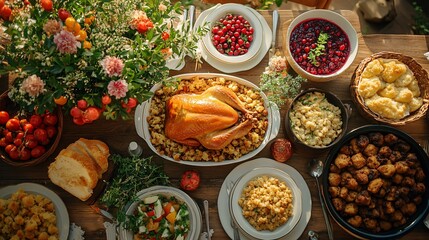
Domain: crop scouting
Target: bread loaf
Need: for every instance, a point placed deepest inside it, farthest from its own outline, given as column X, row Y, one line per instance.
column 77, row 168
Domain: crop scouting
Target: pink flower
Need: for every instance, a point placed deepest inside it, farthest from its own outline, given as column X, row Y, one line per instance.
column 162, row 7
column 52, row 27
column 33, row 85
column 66, row 42
column 113, row 66
column 118, row 88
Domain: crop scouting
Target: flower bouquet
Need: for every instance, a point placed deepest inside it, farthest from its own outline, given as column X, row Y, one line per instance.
column 90, row 56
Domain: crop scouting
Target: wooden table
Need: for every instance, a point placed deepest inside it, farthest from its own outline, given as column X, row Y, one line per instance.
column 118, row 134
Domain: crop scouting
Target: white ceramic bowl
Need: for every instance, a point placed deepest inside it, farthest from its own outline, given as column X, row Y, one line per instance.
column 332, row 17
column 142, row 126
column 235, row 9
column 195, row 216
column 236, row 210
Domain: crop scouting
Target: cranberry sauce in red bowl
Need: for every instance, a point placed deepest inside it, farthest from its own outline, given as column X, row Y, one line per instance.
column 232, row 35
column 319, row 46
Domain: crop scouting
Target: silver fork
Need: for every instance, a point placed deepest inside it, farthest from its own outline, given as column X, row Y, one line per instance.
column 234, row 227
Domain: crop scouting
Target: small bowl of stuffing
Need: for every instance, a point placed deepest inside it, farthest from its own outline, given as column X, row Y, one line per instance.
column 317, row 119
column 265, row 203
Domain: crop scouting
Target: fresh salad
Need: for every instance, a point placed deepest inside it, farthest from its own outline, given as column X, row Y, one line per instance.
column 161, row 217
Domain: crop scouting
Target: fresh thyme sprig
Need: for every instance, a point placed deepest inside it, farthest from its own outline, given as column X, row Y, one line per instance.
column 320, row 48
column 280, row 87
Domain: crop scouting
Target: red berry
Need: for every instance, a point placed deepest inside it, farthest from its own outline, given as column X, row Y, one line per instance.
column 82, row 104
column 47, row 5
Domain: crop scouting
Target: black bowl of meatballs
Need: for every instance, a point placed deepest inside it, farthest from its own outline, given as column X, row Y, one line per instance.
column 375, row 183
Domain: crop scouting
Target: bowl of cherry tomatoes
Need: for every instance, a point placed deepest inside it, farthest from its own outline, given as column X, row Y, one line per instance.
column 235, row 34
column 27, row 139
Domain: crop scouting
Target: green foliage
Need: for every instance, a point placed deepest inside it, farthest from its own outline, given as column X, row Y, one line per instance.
column 421, row 21
column 33, row 51
column 280, row 87
column 133, row 175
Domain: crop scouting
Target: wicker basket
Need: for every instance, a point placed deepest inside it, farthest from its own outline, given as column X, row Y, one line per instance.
column 7, row 105
column 420, row 74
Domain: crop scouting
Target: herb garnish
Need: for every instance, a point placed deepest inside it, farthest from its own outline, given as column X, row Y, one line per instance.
column 133, row 175
column 279, row 88
column 319, row 49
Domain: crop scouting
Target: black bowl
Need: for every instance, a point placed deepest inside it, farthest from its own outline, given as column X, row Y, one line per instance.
column 332, row 99
column 422, row 208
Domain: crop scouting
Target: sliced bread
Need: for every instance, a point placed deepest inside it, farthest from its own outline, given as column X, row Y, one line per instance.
column 97, row 150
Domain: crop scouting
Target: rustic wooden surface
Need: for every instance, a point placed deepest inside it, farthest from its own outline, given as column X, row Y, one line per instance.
column 117, row 134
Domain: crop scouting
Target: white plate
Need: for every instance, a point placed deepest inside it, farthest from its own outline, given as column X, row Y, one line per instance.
column 229, row 67
column 240, row 170
column 235, row 9
column 194, row 211
column 63, row 222
column 283, row 229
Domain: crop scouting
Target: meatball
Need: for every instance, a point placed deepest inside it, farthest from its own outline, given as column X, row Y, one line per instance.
column 388, row 207
column 402, row 146
column 362, row 141
column 334, row 179
column 385, row 152
column 334, row 169
column 401, row 167
column 420, row 174
column 362, row 177
column 411, row 159
column 387, row 170
column 390, row 139
column 354, row 145
column 419, row 188
column 358, row 160
column 351, row 197
column 355, row 221
column 334, row 191
column 342, row 161
column 370, row 223
column 397, row 216
column 351, row 209
column 347, row 150
column 408, row 209
column 363, row 198
column 397, row 179
column 375, row 185
column 385, row 225
column 392, row 193
column 351, row 184
column 370, row 150
column 408, row 181
column 339, row 204
column 376, row 138
column 372, row 162
column 343, row 192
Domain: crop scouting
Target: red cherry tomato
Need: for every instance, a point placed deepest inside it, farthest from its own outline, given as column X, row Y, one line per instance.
column 76, row 112
column 47, row 5
column 13, row 124
column 24, row 154
column 190, row 180
column 106, row 100
column 63, row 14
column 30, row 141
column 5, row 12
column 90, row 114
column 78, row 121
column 14, row 153
column 4, row 117
column 9, row 137
column 3, row 142
column 82, row 104
column 50, row 119
column 52, row 131
column 40, row 135
column 36, row 120
column 38, row 151
column 28, row 127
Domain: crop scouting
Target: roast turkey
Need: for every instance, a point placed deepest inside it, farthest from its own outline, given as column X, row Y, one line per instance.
column 211, row 119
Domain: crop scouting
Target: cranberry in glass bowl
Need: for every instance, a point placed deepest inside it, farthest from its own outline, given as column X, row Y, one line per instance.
column 235, row 34
column 321, row 45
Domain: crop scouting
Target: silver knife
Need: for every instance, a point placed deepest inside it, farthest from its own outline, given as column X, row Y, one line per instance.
column 272, row 51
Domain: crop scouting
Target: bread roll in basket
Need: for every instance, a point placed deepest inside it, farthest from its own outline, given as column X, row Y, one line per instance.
column 421, row 76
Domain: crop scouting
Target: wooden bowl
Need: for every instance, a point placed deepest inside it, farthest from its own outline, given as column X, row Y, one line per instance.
column 420, row 75
column 7, row 105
